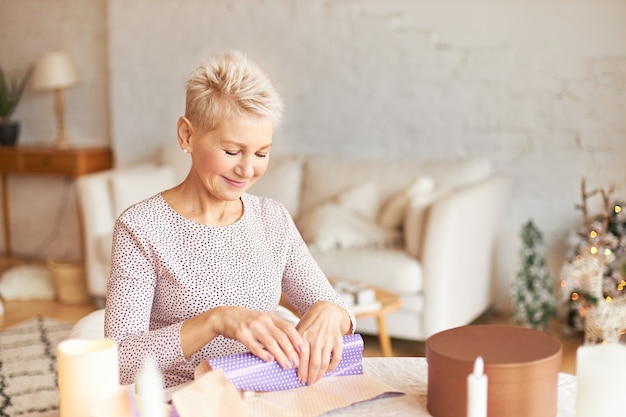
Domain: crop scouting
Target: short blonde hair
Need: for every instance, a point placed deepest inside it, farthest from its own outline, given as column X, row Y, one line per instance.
column 230, row 85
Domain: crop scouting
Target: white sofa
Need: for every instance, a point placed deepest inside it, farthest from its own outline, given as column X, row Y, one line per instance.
column 424, row 230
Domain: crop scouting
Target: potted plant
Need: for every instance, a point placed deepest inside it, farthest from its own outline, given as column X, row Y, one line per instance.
column 10, row 95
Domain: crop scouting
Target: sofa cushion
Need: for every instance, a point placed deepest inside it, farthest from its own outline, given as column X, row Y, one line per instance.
column 391, row 269
column 415, row 217
column 131, row 185
column 324, row 177
column 347, row 221
column 282, row 182
column 392, row 214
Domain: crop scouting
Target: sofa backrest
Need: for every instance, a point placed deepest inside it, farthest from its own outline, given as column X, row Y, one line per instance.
column 325, row 178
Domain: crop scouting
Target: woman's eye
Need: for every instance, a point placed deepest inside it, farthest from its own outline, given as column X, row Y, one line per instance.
column 261, row 155
column 231, row 153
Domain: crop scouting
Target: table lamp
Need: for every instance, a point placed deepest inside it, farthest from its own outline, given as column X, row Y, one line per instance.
column 56, row 71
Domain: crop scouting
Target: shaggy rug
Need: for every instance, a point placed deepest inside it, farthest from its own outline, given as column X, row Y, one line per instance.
column 28, row 368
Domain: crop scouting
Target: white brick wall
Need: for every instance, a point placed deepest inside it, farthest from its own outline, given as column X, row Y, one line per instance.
column 538, row 86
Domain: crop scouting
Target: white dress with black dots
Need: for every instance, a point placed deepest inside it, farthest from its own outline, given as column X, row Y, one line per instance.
column 166, row 269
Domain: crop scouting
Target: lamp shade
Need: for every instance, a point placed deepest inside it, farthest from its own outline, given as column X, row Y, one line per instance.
column 53, row 71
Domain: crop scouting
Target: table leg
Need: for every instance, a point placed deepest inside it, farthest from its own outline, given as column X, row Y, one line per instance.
column 383, row 335
column 5, row 215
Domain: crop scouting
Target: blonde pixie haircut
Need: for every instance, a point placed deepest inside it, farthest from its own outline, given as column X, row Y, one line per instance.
column 227, row 86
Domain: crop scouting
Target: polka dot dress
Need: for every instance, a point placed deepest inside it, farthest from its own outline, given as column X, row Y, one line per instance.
column 166, row 269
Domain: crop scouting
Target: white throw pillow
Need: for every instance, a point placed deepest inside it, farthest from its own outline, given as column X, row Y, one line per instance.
column 393, row 213
column 347, row 221
column 414, row 218
column 362, row 200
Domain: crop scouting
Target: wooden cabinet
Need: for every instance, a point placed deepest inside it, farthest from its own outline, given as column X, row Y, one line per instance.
column 69, row 162
column 51, row 161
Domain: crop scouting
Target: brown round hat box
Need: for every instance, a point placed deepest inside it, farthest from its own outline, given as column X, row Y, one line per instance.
column 522, row 367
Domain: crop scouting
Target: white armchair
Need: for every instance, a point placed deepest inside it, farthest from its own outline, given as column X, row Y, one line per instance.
column 102, row 196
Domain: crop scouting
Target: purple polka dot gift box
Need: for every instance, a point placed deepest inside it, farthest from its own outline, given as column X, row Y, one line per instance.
column 249, row 373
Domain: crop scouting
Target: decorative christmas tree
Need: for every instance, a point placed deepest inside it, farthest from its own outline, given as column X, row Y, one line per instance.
column 532, row 293
column 603, row 236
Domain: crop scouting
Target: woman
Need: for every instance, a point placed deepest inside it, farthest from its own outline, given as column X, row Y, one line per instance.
column 197, row 270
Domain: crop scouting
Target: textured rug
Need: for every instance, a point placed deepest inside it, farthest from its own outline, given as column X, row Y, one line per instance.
column 28, row 368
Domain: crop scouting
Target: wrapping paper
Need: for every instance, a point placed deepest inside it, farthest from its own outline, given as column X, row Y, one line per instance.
column 249, row 373
column 325, row 395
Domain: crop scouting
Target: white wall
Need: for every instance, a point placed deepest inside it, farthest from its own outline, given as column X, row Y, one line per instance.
column 540, row 87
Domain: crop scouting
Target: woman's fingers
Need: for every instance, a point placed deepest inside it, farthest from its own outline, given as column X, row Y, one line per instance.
column 335, row 357
column 314, row 347
column 278, row 343
column 321, row 328
column 265, row 335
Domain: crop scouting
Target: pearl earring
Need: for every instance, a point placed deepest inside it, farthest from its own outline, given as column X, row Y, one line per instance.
column 185, row 150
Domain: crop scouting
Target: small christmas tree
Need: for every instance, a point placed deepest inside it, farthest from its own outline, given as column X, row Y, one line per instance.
column 532, row 293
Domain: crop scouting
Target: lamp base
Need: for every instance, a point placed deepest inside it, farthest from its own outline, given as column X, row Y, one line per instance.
column 62, row 142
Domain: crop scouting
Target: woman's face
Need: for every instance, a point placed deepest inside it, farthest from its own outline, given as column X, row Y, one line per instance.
column 230, row 158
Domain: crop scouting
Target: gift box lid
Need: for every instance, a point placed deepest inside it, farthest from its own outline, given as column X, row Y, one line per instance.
column 511, row 354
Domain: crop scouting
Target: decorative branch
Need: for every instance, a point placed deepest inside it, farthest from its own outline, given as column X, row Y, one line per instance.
column 583, row 207
column 604, row 216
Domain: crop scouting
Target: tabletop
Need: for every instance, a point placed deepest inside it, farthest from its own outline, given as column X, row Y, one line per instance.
column 410, row 375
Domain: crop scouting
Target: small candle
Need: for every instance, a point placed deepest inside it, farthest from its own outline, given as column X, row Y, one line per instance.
column 477, row 390
column 150, row 392
column 601, row 373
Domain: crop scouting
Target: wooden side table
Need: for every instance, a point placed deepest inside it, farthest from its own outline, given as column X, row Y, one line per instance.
column 69, row 162
column 389, row 303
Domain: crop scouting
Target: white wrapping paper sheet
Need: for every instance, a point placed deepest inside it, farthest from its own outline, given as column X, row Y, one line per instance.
column 325, row 395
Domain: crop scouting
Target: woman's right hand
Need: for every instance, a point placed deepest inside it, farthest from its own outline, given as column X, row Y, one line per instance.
column 266, row 335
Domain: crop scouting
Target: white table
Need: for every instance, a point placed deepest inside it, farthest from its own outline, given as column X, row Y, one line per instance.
column 410, row 375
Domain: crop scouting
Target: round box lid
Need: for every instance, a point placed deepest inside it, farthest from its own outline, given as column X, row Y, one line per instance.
column 509, row 352
column 521, row 364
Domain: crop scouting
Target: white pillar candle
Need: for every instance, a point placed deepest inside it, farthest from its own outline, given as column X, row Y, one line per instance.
column 88, row 374
column 477, row 390
column 601, row 373
column 150, row 392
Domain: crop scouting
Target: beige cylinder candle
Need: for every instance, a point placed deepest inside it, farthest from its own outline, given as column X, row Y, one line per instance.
column 601, row 374
column 88, row 374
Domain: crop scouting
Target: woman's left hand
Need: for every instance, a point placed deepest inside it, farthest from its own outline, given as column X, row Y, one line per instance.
column 322, row 327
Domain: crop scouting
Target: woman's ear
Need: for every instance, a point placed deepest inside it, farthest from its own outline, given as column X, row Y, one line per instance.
column 184, row 130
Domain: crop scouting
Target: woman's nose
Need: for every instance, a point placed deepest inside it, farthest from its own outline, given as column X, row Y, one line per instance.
column 245, row 167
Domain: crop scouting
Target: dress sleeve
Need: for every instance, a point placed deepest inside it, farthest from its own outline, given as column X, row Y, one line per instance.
column 304, row 282
column 130, row 295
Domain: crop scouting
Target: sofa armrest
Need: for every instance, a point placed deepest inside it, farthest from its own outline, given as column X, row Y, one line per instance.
column 457, row 253
column 95, row 204
column 101, row 198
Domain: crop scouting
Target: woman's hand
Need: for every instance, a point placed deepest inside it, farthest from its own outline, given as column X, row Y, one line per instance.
column 322, row 327
column 264, row 334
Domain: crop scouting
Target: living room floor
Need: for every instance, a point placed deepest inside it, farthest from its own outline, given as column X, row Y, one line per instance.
column 18, row 311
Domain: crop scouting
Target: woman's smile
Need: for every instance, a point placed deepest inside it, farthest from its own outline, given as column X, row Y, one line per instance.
column 236, row 184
